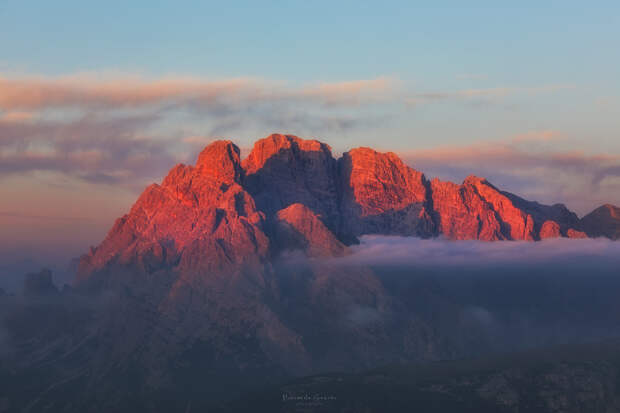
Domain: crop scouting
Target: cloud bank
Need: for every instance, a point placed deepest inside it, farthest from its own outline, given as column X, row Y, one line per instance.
column 376, row 250
column 490, row 296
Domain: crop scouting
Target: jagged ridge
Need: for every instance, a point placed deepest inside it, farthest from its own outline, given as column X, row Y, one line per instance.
column 225, row 214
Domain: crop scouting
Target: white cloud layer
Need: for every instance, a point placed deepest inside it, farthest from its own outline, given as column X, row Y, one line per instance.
column 378, row 250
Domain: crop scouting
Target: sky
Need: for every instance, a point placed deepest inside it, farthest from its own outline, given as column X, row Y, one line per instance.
column 99, row 99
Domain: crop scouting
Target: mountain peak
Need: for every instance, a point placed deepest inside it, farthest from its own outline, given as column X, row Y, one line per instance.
column 220, row 159
column 298, row 227
column 382, row 195
column 283, row 146
column 283, row 169
column 474, row 180
column 364, row 151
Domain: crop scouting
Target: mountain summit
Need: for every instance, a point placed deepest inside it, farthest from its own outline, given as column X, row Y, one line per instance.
column 225, row 214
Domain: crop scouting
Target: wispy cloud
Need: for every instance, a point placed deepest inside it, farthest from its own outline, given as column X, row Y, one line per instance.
column 377, row 250
column 40, row 93
column 120, row 129
column 16, row 116
column 129, row 129
column 538, row 136
column 88, row 91
column 488, row 94
column 106, row 150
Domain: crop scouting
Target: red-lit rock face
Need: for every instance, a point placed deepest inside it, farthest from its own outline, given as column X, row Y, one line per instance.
column 220, row 161
column 200, row 219
column 463, row 214
column 477, row 210
column 381, row 182
column 223, row 215
column 573, row 233
column 381, row 195
column 550, row 229
column 297, row 227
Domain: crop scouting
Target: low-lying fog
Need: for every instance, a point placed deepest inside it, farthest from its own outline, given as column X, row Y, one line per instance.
column 409, row 251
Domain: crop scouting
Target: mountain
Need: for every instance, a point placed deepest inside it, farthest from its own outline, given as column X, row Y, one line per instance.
column 223, row 214
column 603, row 222
column 233, row 274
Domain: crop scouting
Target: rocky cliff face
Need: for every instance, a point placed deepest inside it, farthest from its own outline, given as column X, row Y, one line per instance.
column 477, row 210
column 283, row 170
column 298, row 228
column 200, row 220
column 381, row 195
column 224, row 214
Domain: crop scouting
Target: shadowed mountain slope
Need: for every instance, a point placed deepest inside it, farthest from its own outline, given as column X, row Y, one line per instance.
column 603, row 222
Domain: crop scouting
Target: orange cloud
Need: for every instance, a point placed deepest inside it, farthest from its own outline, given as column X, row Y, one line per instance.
column 38, row 93
column 16, row 116
column 80, row 91
column 114, row 128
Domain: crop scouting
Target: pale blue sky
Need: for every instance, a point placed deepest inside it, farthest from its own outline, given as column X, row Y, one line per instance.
column 563, row 41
